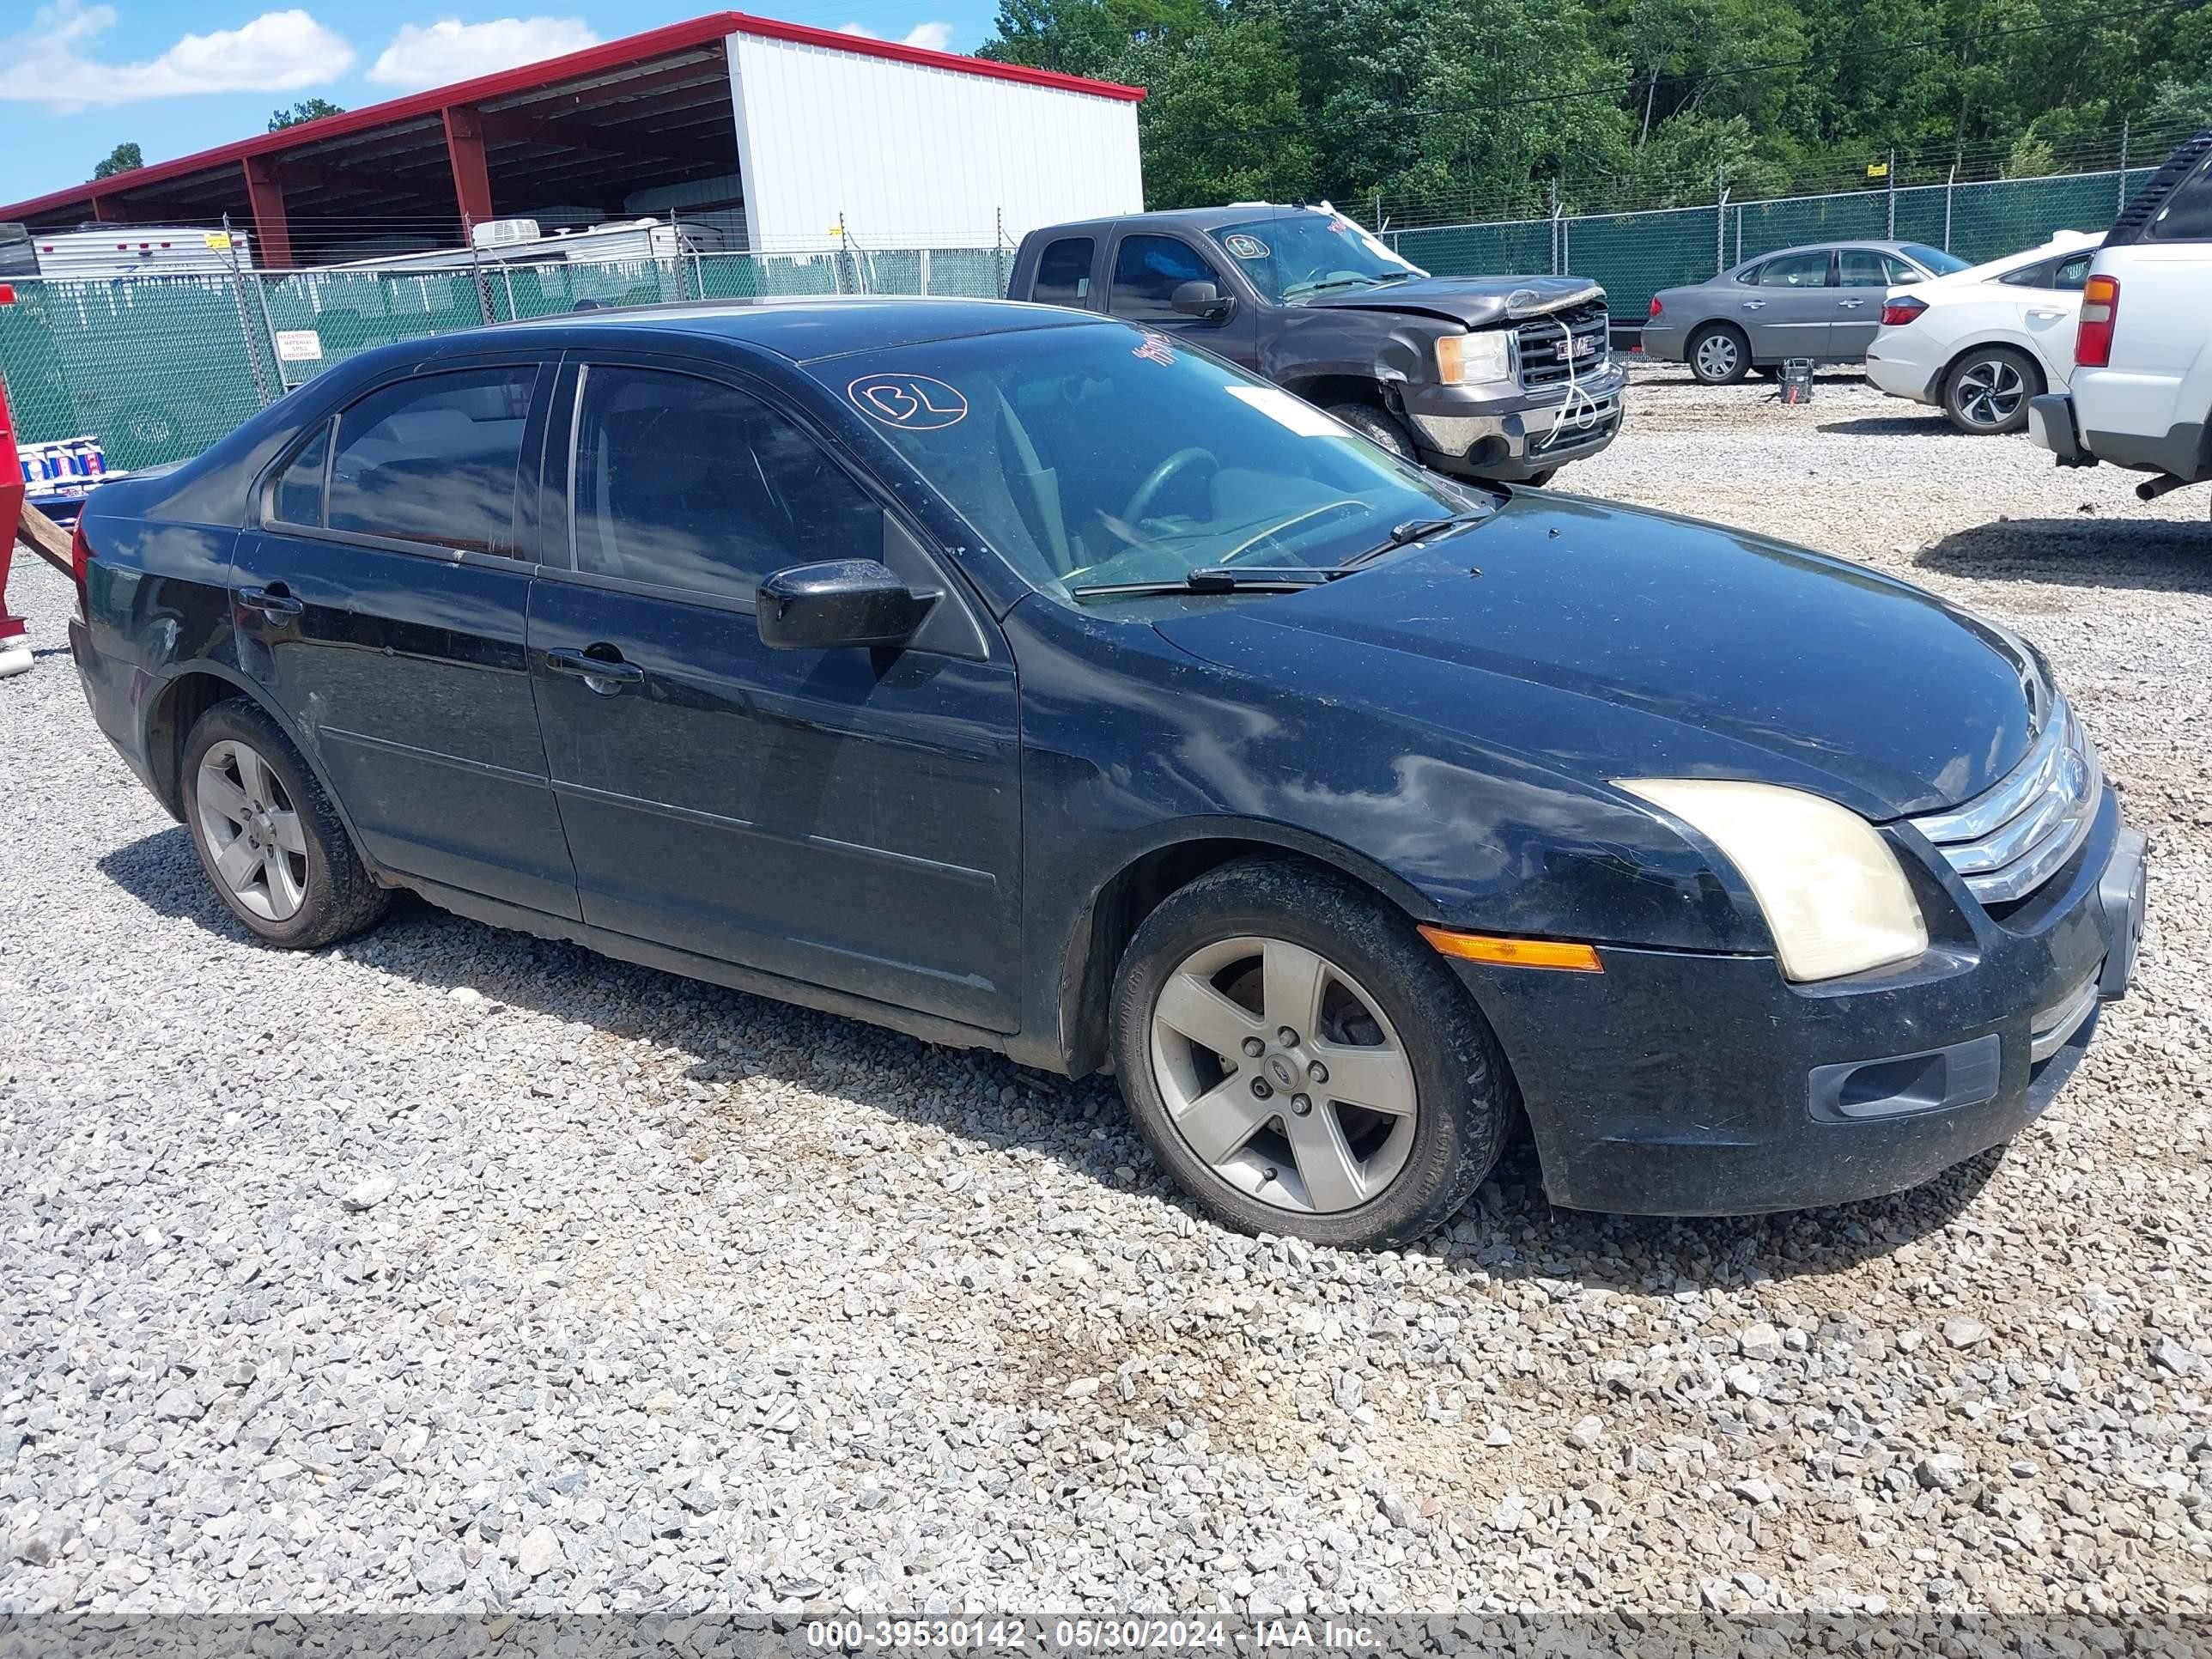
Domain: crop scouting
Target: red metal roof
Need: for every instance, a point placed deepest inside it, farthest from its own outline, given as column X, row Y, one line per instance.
column 611, row 54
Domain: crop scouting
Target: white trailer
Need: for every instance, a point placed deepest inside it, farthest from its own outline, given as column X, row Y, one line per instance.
column 521, row 242
column 101, row 251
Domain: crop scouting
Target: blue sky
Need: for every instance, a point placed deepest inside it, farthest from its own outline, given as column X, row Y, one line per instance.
column 77, row 77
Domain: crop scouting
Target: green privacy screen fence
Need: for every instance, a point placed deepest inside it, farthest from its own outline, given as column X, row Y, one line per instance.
column 159, row 368
column 1634, row 255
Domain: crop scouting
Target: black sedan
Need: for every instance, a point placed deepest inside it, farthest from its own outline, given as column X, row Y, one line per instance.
column 1019, row 678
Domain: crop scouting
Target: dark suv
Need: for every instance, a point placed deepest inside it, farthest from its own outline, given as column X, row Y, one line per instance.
column 1026, row 680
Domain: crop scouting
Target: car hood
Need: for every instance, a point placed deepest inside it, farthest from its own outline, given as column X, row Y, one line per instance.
column 1477, row 301
column 1606, row 642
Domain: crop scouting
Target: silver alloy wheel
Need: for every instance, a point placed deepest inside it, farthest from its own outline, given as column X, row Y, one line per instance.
column 1990, row 390
column 1284, row 1075
column 252, row 830
column 1717, row 356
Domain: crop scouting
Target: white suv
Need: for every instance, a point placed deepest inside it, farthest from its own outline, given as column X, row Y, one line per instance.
column 2140, row 396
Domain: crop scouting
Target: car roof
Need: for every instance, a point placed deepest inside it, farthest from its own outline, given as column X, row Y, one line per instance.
column 802, row 330
column 1208, row 218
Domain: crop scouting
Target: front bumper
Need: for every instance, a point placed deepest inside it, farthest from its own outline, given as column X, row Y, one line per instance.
column 1506, row 433
column 1677, row 1084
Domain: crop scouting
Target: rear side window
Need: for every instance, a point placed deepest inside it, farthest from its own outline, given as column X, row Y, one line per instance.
column 1860, row 267
column 298, row 498
column 2066, row 274
column 1796, row 270
column 2187, row 215
column 1148, row 269
column 433, row 460
column 688, row 483
column 1063, row 273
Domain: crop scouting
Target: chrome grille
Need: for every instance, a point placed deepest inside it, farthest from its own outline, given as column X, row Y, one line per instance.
column 2006, row 843
column 1540, row 346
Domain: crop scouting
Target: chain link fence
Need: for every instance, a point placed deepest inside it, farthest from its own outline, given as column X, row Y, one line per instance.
column 1634, row 255
column 158, row 367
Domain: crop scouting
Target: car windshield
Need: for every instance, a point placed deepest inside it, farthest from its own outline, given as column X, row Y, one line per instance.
column 1102, row 454
column 1300, row 253
column 1932, row 259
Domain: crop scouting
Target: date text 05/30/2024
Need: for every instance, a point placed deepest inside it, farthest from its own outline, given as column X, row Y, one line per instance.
column 999, row 1634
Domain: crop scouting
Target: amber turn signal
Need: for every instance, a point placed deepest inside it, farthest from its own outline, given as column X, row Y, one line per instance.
column 1515, row 952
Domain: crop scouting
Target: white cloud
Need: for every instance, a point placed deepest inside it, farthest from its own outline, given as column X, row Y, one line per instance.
column 276, row 52
column 450, row 49
column 931, row 37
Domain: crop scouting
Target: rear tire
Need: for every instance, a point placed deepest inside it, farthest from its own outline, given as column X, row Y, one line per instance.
column 1381, row 425
column 1264, row 949
column 1719, row 354
column 1986, row 391
column 268, row 837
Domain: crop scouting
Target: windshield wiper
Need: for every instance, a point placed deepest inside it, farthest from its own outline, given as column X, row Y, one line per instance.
column 1216, row 579
column 1418, row 529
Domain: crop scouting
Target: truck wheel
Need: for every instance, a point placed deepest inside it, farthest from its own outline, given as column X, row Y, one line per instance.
column 1988, row 389
column 1719, row 354
column 1380, row 425
column 1301, row 1062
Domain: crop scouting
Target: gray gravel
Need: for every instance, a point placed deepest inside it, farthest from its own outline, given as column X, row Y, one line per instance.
column 452, row 1268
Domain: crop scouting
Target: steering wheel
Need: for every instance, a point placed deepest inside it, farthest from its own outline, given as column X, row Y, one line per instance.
column 1157, row 480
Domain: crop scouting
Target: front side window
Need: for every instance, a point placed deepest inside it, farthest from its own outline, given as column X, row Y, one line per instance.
column 1299, row 254
column 688, row 483
column 433, row 460
column 298, row 497
column 1099, row 454
column 1933, row 260
column 1796, row 270
column 1063, row 273
column 1147, row 270
column 1859, row 267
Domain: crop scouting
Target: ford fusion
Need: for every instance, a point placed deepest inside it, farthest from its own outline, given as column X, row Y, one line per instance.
column 1018, row 679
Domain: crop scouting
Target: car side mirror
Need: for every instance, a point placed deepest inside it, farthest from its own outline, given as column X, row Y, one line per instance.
column 817, row 607
column 1202, row 300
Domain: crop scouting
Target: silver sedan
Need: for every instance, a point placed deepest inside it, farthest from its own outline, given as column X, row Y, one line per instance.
column 1822, row 302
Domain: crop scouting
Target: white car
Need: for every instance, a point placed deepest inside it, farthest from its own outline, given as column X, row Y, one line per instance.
column 2142, row 397
column 1982, row 341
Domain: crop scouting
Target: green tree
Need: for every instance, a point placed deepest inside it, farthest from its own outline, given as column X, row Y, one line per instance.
column 1221, row 121
column 124, row 158
column 307, row 109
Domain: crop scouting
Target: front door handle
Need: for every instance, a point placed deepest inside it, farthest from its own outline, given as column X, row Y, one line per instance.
column 608, row 674
column 274, row 600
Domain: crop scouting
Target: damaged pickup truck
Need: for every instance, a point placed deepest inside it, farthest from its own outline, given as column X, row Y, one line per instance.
column 1501, row 378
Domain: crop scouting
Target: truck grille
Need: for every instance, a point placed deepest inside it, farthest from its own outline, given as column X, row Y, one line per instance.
column 2007, row 842
column 1540, row 345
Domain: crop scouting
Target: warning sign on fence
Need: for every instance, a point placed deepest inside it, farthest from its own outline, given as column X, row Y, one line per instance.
column 298, row 346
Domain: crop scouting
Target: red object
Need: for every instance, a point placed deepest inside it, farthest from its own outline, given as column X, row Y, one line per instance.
column 2100, row 311
column 1896, row 313
column 11, row 515
column 1655, row 305
column 7, row 293
column 465, row 151
column 530, row 78
column 80, row 557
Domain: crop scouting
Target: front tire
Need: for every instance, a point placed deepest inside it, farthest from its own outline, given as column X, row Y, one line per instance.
column 1377, row 1100
column 268, row 837
column 1986, row 391
column 1719, row 354
column 1381, row 425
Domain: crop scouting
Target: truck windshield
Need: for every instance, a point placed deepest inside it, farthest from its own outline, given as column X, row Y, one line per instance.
column 1299, row 254
column 1102, row 455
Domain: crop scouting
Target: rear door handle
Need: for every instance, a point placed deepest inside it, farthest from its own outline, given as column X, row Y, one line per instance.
column 274, row 600
column 1755, row 305
column 607, row 675
column 1850, row 305
column 2047, row 316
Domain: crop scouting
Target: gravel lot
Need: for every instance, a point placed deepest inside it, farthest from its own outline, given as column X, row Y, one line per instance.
column 455, row 1269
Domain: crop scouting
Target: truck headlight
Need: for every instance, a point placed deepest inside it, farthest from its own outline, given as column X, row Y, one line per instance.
column 1833, row 894
column 1470, row 359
